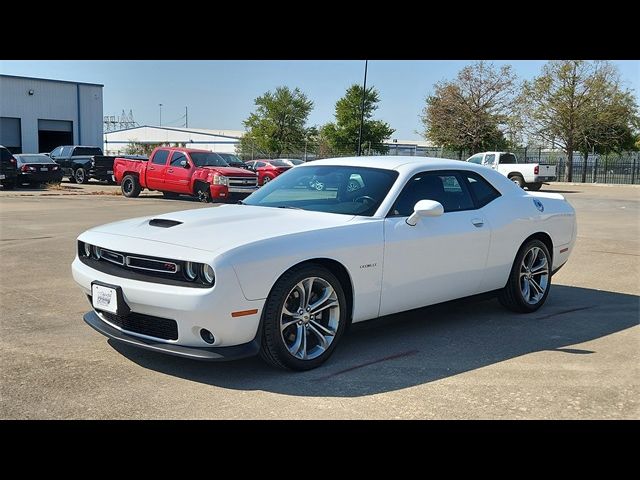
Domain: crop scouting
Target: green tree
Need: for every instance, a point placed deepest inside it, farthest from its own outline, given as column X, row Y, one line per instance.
column 342, row 136
column 278, row 124
column 474, row 111
column 576, row 104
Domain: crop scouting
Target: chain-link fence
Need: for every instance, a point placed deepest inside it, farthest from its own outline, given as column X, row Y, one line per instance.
column 622, row 168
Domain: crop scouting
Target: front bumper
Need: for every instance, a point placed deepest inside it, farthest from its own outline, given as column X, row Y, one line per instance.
column 196, row 353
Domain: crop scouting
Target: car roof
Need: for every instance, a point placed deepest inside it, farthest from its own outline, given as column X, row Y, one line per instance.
column 392, row 162
column 187, row 150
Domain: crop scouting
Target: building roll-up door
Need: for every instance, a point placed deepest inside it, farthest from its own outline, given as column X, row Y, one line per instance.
column 10, row 134
column 53, row 133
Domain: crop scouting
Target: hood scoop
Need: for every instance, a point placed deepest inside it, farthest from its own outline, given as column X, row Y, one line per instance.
column 163, row 223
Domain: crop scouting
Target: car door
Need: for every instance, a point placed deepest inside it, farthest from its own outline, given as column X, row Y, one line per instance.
column 177, row 178
column 64, row 160
column 440, row 258
column 156, row 170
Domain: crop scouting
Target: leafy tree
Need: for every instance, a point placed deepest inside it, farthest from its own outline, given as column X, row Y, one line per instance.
column 473, row 111
column 278, row 123
column 342, row 136
column 580, row 106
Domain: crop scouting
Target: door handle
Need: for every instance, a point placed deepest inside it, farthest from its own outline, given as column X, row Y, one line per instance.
column 478, row 222
column 151, row 168
column 170, row 170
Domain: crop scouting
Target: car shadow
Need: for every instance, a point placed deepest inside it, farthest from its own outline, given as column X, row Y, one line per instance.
column 422, row 346
column 561, row 191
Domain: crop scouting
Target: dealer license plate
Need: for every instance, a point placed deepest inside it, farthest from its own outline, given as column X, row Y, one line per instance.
column 104, row 298
column 44, row 169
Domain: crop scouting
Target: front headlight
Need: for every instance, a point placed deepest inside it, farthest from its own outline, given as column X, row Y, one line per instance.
column 220, row 180
column 207, row 274
column 190, row 270
column 84, row 249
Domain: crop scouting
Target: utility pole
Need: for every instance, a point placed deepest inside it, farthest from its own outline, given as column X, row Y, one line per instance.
column 364, row 92
column 160, row 105
column 186, row 117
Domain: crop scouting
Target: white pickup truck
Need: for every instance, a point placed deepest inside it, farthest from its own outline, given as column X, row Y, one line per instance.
column 530, row 175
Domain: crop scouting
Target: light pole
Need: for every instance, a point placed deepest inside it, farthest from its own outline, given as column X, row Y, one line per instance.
column 364, row 92
column 160, row 105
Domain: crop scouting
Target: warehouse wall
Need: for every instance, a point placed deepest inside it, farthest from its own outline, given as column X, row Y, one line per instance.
column 51, row 100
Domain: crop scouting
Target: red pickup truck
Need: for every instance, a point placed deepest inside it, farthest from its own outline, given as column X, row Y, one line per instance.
column 187, row 171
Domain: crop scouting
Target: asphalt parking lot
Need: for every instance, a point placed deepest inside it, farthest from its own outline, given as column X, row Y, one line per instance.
column 576, row 358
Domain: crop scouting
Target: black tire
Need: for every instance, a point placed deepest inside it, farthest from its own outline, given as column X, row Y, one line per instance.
column 511, row 295
column 266, row 180
column 80, row 175
column 518, row 180
column 71, row 179
column 130, row 186
column 202, row 192
column 534, row 187
column 8, row 185
column 273, row 348
column 170, row 195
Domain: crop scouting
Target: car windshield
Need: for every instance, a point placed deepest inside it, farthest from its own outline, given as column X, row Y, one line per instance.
column 208, row 159
column 230, row 158
column 328, row 188
column 33, row 159
column 293, row 161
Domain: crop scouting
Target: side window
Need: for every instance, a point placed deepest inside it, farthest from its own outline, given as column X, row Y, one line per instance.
column 160, row 157
column 448, row 188
column 177, row 158
column 489, row 159
column 56, row 152
column 482, row 190
column 259, row 164
column 508, row 158
column 66, row 151
column 477, row 159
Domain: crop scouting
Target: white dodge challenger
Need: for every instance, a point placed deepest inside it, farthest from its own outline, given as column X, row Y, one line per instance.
column 287, row 270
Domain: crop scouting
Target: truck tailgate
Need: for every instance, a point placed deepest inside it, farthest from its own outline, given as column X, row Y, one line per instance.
column 547, row 170
column 103, row 165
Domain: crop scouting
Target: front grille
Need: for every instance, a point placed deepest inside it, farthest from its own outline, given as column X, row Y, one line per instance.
column 144, row 324
column 162, row 266
column 243, row 181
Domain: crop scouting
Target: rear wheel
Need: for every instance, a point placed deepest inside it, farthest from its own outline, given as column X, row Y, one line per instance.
column 80, row 175
column 130, row 186
column 534, row 187
column 530, row 279
column 304, row 318
column 518, row 180
column 266, row 180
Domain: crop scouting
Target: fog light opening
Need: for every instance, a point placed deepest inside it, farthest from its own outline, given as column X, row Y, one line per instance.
column 207, row 336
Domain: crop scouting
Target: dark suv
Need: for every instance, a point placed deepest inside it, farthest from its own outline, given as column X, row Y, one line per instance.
column 8, row 168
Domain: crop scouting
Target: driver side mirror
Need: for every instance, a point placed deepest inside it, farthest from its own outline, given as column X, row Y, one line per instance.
column 184, row 164
column 425, row 208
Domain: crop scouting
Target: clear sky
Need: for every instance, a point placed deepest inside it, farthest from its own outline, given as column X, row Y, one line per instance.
column 220, row 94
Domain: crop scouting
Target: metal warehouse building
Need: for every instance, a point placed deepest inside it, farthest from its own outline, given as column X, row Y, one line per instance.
column 223, row 141
column 38, row 114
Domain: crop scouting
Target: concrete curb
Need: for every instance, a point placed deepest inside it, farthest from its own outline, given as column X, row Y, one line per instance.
column 578, row 184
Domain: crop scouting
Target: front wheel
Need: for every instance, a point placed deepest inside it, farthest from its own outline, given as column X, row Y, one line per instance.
column 130, row 186
column 203, row 192
column 80, row 175
column 304, row 318
column 534, row 187
column 530, row 279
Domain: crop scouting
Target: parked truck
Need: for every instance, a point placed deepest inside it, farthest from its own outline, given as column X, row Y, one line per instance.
column 81, row 163
column 530, row 175
column 175, row 171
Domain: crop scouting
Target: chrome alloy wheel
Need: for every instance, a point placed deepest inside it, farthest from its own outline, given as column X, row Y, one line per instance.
column 534, row 275
column 309, row 318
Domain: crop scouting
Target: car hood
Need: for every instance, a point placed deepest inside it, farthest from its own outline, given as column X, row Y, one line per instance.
column 231, row 171
column 217, row 229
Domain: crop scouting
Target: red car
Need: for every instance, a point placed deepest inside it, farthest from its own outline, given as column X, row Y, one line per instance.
column 267, row 170
column 188, row 171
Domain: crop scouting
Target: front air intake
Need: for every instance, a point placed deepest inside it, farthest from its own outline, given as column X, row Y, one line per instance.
column 162, row 223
